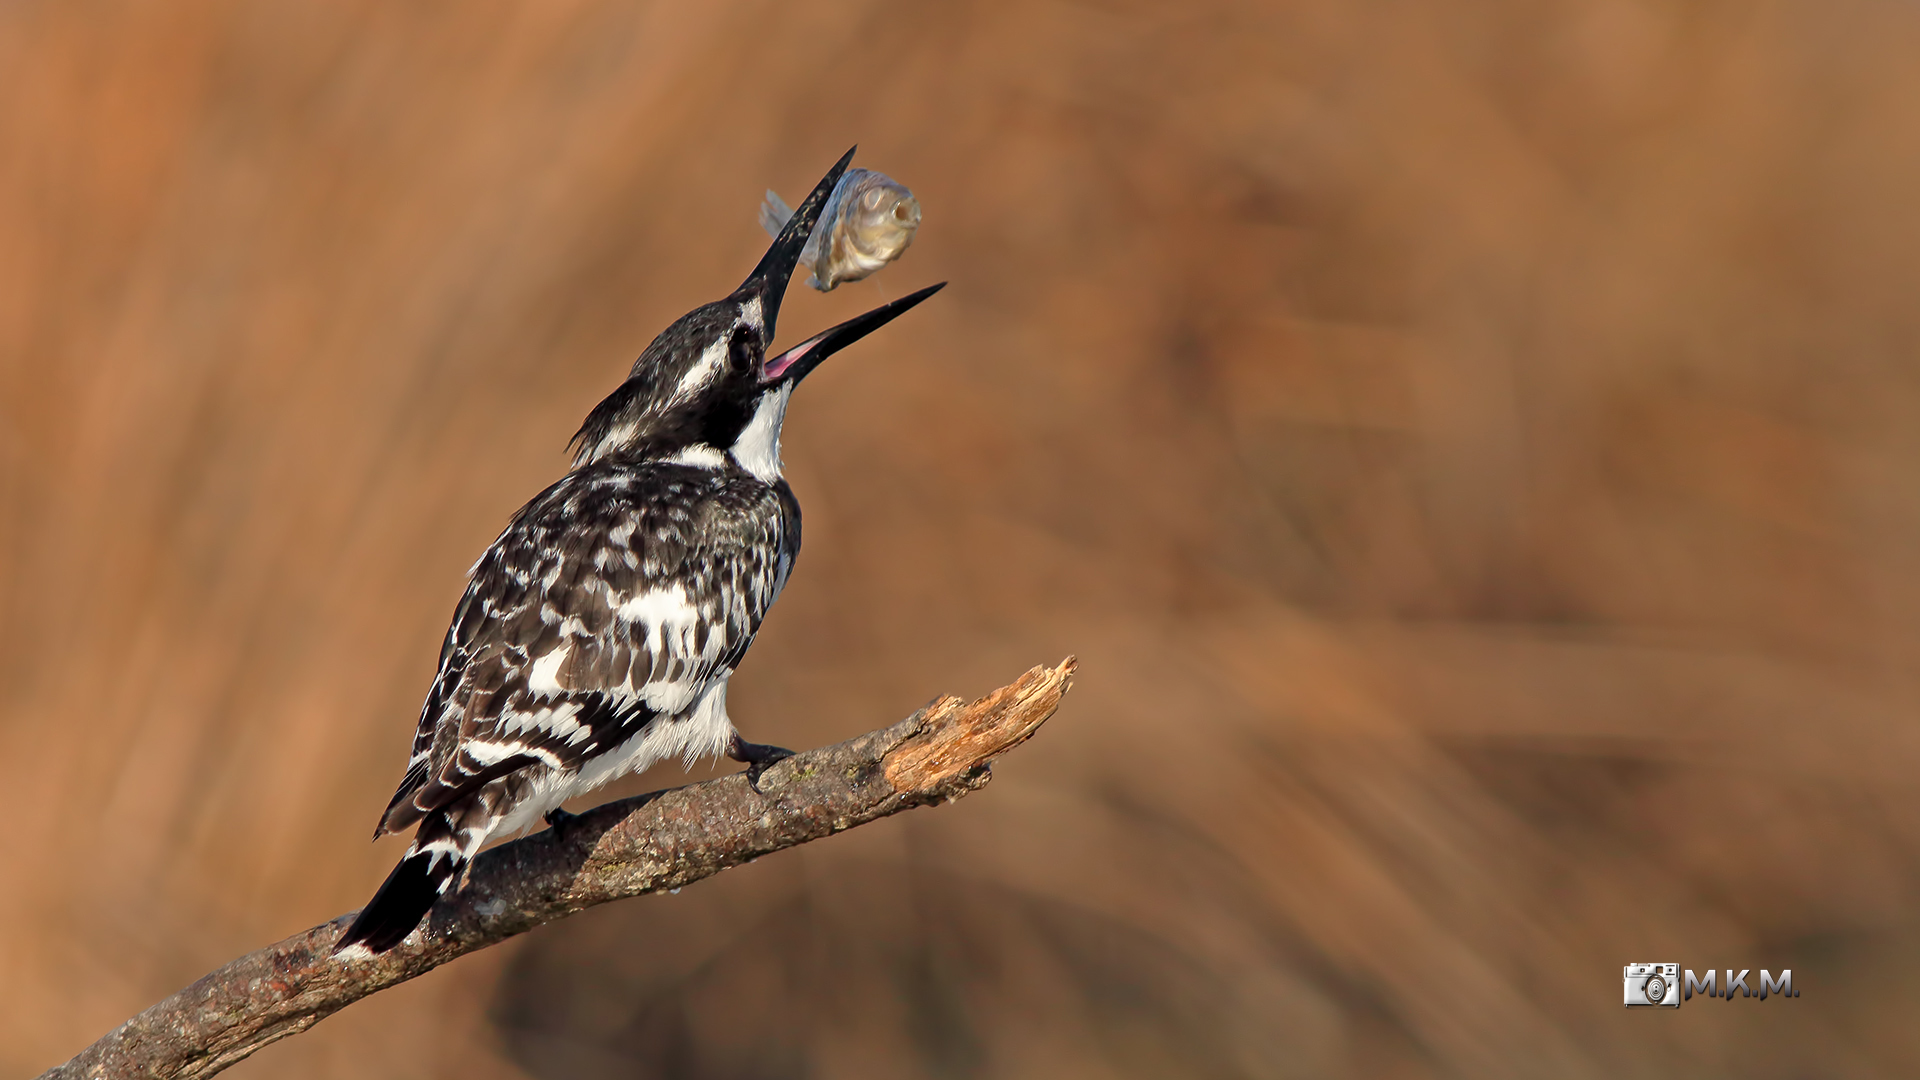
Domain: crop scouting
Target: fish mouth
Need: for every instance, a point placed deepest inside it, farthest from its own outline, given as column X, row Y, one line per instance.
column 794, row 364
column 889, row 211
column 886, row 231
column 905, row 213
column 768, row 282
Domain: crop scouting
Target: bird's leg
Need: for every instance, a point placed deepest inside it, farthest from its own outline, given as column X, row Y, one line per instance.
column 758, row 757
column 760, row 754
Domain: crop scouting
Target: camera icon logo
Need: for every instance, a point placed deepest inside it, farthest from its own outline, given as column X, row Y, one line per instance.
column 1653, row 984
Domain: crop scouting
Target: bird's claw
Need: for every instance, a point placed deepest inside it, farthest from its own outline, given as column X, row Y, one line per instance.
column 558, row 820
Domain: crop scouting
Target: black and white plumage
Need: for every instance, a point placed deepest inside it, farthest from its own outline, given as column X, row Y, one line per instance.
column 597, row 634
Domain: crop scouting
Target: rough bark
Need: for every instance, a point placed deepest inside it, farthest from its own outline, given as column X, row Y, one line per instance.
column 662, row 840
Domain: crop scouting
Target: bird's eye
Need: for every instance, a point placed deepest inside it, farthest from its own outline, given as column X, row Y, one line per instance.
column 740, row 348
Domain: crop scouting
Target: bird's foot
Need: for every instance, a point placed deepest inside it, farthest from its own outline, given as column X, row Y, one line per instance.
column 758, row 757
column 752, row 753
column 559, row 821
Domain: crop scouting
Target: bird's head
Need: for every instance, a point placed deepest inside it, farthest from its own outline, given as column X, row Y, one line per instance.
column 705, row 390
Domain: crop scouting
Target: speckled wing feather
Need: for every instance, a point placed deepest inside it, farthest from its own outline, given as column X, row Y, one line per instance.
column 611, row 604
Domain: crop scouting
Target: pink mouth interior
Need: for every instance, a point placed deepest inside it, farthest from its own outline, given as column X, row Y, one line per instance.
column 778, row 366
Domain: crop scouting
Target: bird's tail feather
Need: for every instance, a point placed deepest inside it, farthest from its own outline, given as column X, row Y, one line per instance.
column 439, row 855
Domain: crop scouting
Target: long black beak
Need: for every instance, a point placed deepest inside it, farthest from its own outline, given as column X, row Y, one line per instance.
column 769, row 279
column 794, row 364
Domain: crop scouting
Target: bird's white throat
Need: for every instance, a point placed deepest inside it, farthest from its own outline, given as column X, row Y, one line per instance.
column 758, row 447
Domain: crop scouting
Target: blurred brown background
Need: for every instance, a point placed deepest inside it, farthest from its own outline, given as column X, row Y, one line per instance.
column 1472, row 448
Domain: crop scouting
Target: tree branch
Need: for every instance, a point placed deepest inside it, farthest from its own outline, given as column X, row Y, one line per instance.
column 657, row 841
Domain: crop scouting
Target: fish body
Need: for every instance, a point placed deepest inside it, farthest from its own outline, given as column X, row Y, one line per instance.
column 868, row 222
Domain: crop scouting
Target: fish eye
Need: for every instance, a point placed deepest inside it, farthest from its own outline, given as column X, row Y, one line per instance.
column 874, row 198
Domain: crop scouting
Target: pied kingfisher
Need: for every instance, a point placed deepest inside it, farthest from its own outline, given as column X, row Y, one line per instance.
column 597, row 634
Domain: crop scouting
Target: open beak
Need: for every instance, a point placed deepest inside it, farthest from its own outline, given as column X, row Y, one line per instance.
column 794, row 364
column 769, row 280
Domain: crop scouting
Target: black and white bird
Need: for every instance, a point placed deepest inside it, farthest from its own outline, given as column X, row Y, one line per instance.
column 597, row 634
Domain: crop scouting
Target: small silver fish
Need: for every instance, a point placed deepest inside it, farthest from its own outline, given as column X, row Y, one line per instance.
column 868, row 221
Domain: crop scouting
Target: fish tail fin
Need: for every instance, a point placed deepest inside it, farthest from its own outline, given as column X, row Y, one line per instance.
column 774, row 214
